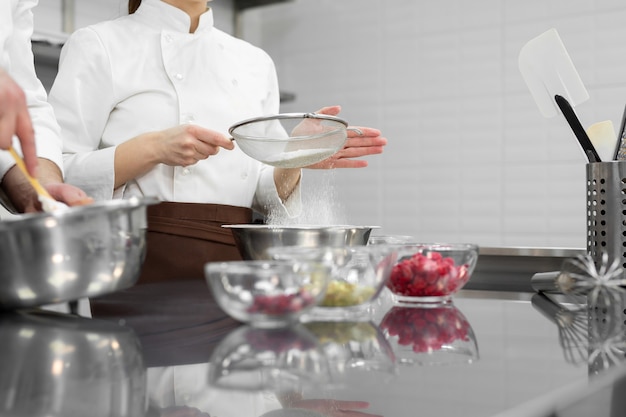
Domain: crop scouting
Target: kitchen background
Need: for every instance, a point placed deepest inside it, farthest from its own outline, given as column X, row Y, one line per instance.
column 470, row 157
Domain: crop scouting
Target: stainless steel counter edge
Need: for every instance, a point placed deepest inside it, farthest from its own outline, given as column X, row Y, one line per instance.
column 531, row 251
column 511, row 268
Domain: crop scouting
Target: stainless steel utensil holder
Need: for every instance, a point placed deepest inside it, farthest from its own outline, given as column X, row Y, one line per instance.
column 606, row 211
column 606, row 232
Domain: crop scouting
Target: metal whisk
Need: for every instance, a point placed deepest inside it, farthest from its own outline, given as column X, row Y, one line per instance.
column 607, row 338
column 581, row 276
column 572, row 325
column 593, row 333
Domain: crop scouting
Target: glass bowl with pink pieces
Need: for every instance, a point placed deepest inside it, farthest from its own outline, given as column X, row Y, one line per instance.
column 431, row 272
column 267, row 294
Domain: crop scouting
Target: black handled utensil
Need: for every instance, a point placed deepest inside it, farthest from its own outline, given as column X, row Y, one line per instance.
column 620, row 150
column 577, row 128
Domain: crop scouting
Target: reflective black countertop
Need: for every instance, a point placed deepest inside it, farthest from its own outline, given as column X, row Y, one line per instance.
column 168, row 349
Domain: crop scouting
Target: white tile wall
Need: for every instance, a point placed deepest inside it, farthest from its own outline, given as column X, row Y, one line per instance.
column 470, row 158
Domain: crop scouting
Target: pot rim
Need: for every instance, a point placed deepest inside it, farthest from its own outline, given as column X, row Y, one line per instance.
column 98, row 207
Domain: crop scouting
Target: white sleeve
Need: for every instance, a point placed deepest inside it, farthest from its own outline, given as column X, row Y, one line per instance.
column 82, row 97
column 17, row 57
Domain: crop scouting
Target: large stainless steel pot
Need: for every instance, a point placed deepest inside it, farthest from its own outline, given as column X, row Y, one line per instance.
column 60, row 365
column 85, row 251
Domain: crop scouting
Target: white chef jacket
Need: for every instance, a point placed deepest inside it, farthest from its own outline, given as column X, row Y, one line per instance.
column 145, row 72
column 187, row 385
column 16, row 58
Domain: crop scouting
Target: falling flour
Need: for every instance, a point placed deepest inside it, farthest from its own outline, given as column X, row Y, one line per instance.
column 320, row 204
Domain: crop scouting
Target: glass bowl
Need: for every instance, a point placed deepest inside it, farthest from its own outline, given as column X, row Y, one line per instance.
column 358, row 275
column 267, row 293
column 434, row 335
column 254, row 359
column 431, row 272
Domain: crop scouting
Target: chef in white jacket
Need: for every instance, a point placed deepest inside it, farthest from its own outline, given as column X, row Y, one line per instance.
column 145, row 102
column 25, row 116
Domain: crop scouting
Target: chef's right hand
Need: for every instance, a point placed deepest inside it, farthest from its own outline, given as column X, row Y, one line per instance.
column 15, row 120
column 187, row 144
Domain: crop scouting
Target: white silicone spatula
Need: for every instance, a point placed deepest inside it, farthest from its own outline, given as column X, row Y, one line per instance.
column 602, row 135
column 548, row 71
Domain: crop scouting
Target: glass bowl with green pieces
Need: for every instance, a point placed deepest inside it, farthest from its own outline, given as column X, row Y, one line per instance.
column 358, row 275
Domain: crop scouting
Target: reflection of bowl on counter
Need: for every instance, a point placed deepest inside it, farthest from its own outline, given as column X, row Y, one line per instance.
column 358, row 275
column 253, row 359
column 61, row 365
column 354, row 347
column 434, row 335
column 84, row 251
column 253, row 240
column 431, row 273
column 267, row 293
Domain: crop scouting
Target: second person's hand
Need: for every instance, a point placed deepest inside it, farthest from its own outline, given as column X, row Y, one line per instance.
column 15, row 120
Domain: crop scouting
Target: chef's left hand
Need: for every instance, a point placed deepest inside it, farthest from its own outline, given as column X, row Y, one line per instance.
column 366, row 141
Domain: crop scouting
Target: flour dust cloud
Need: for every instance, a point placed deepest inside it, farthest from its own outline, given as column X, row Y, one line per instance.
column 321, row 205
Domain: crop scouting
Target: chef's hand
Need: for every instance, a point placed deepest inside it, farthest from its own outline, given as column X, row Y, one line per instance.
column 334, row 408
column 179, row 146
column 182, row 411
column 187, row 144
column 15, row 120
column 362, row 141
column 23, row 196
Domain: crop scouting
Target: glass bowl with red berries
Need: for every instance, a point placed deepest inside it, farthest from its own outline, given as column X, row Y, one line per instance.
column 430, row 335
column 267, row 294
column 357, row 278
column 431, row 272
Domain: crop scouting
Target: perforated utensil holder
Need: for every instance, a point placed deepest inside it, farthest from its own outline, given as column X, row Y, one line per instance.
column 606, row 210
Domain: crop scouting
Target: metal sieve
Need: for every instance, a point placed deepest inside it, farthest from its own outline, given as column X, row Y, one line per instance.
column 291, row 140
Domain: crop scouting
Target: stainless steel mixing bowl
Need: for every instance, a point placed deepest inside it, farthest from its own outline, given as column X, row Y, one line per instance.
column 62, row 256
column 253, row 240
column 62, row 365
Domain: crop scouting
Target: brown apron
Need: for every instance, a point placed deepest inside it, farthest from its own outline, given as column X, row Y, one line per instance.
column 182, row 237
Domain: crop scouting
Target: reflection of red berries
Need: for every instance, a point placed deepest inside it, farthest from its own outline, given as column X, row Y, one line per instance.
column 280, row 304
column 425, row 329
column 427, row 275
